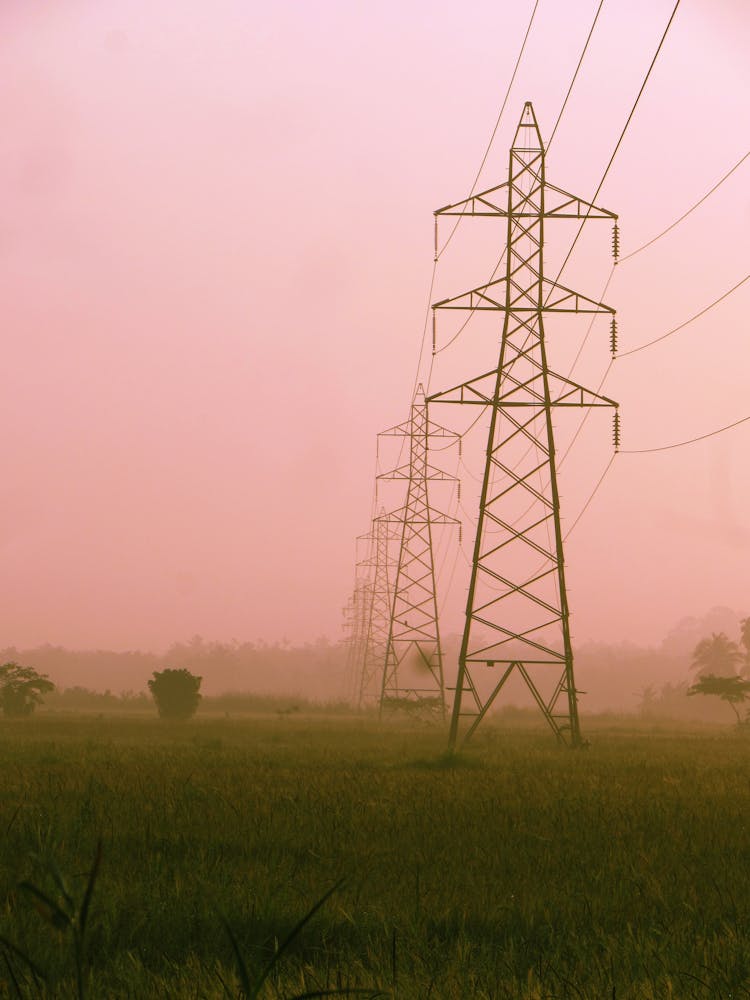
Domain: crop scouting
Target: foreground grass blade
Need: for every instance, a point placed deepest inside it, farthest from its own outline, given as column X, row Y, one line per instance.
column 49, row 909
column 12, row 975
column 291, row 936
column 242, row 972
column 84, row 913
column 14, row 950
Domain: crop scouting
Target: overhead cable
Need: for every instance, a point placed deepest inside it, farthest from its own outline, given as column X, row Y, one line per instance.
column 700, row 201
column 619, row 141
column 572, row 82
column 656, row 340
column 439, row 253
column 681, row 444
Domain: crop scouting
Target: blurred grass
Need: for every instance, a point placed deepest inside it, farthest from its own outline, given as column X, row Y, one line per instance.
column 519, row 871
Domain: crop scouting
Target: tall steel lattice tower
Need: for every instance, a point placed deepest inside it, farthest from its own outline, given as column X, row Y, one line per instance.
column 517, row 605
column 377, row 609
column 355, row 628
column 412, row 676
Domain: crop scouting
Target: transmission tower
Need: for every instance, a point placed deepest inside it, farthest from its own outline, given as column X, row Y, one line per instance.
column 517, row 604
column 376, row 607
column 355, row 629
column 412, row 676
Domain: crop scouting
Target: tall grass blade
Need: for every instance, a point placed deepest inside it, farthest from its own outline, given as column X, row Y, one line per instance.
column 47, row 907
column 12, row 975
column 60, row 883
column 291, row 936
column 244, row 975
column 84, row 912
column 15, row 950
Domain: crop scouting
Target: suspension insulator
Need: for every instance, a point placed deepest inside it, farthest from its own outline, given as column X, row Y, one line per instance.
column 616, row 242
column 459, row 491
column 459, row 446
column 434, row 331
column 613, row 336
column 460, row 534
column 436, row 239
column 616, row 429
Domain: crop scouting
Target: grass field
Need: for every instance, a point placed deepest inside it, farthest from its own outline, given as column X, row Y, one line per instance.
column 517, row 870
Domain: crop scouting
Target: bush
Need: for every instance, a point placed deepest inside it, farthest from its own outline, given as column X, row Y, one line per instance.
column 21, row 689
column 176, row 693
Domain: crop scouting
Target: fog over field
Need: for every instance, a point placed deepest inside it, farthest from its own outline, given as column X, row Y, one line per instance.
column 215, row 257
column 613, row 677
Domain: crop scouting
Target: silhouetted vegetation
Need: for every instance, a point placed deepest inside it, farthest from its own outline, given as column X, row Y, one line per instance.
column 717, row 656
column 21, row 689
column 315, row 671
column 176, row 693
column 733, row 690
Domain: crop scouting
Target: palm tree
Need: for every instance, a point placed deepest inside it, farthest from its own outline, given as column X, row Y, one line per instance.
column 732, row 690
column 717, row 656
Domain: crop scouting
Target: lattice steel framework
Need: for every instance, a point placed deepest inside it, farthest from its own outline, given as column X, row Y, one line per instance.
column 517, row 617
column 355, row 628
column 377, row 597
column 412, row 677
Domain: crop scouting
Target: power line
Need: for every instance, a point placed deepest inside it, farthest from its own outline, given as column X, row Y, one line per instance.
column 686, row 214
column 424, row 329
column 438, row 253
column 572, row 82
column 656, row 340
column 619, row 141
column 681, row 444
column 584, row 220
column 591, row 495
column 580, row 230
column 466, row 322
column 456, row 224
column 604, row 175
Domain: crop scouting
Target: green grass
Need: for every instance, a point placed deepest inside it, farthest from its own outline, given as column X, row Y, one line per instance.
column 518, row 870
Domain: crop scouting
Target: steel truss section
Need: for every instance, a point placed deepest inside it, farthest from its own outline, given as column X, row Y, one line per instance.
column 412, row 675
column 355, row 629
column 517, row 616
column 376, row 605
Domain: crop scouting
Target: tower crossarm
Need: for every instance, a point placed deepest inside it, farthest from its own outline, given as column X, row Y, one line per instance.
column 570, row 206
column 400, row 514
column 482, row 204
column 494, row 297
column 431, row 474
column 399, row 430
column 482, row 391
column 564, row 206
column 432, row 430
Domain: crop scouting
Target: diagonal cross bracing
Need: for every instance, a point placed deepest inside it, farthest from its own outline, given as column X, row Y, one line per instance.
column 517, row 616
column 412, row 669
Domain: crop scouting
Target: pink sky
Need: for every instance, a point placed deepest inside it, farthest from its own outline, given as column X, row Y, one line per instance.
column 215, row 252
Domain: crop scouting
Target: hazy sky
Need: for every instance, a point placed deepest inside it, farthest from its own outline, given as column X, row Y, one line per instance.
column 215, row 254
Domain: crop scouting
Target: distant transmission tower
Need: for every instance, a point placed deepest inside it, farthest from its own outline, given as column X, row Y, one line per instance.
column 412, row 675
column 376, row 609
column 517, row 605
column 355, row 629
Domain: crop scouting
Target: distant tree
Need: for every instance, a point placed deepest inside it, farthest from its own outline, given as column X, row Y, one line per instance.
column 716, row 657
column 648, row 700
column 21, row 689
column 733, row 690
column 176, row 693
column 745, row 643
